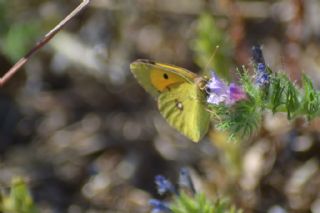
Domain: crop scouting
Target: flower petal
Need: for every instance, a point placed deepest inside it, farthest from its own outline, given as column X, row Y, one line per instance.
column 164, row 185
column 216, row 85
column 159, row 206
column 262, row 76
column 216, row 99
column 236, row 93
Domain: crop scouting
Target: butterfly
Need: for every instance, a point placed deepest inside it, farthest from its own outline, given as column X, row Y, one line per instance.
column 180, row 95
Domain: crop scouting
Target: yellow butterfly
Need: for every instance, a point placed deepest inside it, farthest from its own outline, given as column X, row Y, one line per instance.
column 181, row 100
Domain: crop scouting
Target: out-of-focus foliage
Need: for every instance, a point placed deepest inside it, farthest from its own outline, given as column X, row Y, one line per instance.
column 19, row 39
column 16, row 37
column 18, row 200
column 212, row 47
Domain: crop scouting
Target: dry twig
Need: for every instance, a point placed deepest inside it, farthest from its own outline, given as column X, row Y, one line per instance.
column 8, row 75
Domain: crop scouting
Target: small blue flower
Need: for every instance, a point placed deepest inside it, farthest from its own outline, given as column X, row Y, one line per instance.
column 257, row 54
column 159, row 206
column 185, row 180
column 262, row 76
column 164, row 185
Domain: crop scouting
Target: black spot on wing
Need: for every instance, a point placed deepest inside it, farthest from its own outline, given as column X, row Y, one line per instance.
column 165, row 76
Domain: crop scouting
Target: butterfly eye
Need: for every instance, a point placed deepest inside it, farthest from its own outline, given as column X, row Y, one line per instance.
column 165, row 76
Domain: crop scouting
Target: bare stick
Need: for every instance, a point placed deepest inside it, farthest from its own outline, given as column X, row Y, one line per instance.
column 8, row 75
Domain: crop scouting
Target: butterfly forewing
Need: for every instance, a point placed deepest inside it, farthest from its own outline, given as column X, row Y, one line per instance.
column 157, row 77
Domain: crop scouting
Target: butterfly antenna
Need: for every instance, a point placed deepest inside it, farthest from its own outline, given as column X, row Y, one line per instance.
column 211, row 57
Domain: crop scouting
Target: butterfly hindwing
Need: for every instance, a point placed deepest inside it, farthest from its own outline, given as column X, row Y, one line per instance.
column 183, row 107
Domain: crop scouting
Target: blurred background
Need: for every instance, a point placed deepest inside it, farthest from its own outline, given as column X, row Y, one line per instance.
column 88, row 138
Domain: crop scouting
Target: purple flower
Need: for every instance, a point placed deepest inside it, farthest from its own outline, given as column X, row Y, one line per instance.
column 159, row 206
column 262, row 76
column 236, row 93
column 219, row 92
column 216, row 85
column 164, row 185
column 216, row 99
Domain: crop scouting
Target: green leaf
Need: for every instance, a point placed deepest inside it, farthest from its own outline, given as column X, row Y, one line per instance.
column 188, row 204
column 201, row 204
column 241, row 120
column 292, row 102
column 310, row 102
column 19, row 199
column 276, row 93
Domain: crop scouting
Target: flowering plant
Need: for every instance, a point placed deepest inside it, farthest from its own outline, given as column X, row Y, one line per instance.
column 188, row 201
column 238, row 108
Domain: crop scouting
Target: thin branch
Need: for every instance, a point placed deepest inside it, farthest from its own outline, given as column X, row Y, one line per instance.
column 8, row 75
